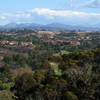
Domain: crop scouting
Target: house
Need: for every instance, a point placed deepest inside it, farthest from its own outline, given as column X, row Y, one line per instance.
column 1, row 57
column 26, row 43
column 75, row 43
column 3, row 42
column 13, row 43
column 87, row 37
column 57, row 41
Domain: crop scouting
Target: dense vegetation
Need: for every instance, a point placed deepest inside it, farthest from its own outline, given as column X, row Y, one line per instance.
column 71, row 76
column 49, row 71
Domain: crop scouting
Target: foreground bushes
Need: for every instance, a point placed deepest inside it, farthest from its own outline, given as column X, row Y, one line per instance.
column 79, row 79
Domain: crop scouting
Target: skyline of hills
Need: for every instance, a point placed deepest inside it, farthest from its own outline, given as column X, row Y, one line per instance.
column 52, row 26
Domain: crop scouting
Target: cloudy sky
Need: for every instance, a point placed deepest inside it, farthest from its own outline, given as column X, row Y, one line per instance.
column 70, row 12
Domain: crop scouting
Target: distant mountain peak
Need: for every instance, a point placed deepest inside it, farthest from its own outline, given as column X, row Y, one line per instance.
column 52, row 26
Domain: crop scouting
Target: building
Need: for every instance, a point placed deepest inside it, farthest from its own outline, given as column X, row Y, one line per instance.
column 26, row 43
column 75, row 43
column 13, row 43
column 57, row 41
column 1, row 57
column 3, row 42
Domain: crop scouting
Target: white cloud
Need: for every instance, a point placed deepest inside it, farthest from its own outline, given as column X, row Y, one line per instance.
column 62, row 13
column 2, row 17
column 49, row 13
column 54, row 15
column 88, row 3
column 22, row 15
column 93, row 4
column 16, row 15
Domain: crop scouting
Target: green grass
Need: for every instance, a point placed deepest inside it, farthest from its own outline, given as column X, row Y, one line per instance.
column 54, row 66
column 62, row 52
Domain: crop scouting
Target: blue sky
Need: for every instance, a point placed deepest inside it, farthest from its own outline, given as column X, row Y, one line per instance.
column 76, row 12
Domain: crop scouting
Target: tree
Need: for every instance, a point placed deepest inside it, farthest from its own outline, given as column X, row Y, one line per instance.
column 23, row 86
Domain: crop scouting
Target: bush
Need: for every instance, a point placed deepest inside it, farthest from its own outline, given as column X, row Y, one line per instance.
column 70, row 96
column 6, row 95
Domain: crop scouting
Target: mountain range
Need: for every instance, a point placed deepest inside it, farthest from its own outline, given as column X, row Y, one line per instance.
column 52, row 26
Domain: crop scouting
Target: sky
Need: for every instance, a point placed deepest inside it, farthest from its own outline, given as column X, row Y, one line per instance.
column 70, row 12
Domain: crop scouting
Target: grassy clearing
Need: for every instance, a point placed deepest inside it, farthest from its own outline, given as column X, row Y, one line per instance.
column 55, row 68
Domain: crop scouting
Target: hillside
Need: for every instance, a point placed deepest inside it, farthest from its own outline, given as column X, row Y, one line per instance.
column 71, row 76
